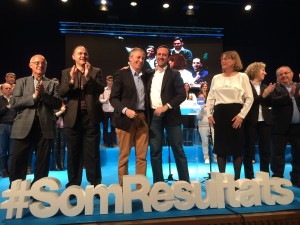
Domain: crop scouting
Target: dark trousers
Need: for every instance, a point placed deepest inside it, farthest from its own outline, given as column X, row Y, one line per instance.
column 278, row 148
column 83, row 150
column 174, row 135
column 260, row 133
column 22, row 151
column 59, row 149
column 112, row 139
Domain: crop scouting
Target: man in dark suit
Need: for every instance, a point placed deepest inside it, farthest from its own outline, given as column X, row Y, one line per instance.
column 7, row 115
column 81, row 86
column 258, row 122
column 286, row 119
column 167, row 92
column 129, row 99
column 34, row 98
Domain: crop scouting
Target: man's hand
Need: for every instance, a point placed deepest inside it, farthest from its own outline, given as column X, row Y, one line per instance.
column 159, row 111
column 87, row 69
column 130, row 113
column 40, row 89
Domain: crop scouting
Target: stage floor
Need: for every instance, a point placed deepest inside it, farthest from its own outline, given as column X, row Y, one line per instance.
column 198, row 172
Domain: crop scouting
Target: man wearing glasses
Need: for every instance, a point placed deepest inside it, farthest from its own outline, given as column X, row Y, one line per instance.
column 286, row 119
column 34, row 98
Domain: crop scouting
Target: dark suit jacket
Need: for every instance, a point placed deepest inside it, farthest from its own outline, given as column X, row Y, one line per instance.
column 282, row 108
column 124, row 94
column 25, row 105
column 92, row 90
column 252, row 116
column 172, row 92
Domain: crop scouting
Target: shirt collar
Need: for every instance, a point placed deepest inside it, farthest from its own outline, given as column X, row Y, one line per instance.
column 134, row 72
column 161, row 70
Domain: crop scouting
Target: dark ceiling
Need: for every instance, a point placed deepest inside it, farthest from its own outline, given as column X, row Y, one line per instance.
column 268, row 33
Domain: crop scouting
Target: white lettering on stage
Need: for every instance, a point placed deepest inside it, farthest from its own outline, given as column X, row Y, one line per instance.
column 220, row 190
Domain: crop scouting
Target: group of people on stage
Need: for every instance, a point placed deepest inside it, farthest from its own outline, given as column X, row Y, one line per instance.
column 239, row 108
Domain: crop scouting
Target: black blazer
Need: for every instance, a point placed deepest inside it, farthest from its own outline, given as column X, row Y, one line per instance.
column 282, row 108
column 124, row 94
column 92, row 89
column 252, row 116
column 172, row 92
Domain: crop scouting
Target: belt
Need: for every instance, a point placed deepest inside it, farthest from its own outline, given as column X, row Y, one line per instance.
column 139, row 111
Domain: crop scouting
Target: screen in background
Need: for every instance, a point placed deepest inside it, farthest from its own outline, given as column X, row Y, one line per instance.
column 110, row 53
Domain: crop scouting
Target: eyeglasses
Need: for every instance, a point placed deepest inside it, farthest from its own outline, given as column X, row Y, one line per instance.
column 284, row 73
column 37, row 63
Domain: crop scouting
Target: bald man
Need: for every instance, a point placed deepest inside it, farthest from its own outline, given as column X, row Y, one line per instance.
column 34, row 98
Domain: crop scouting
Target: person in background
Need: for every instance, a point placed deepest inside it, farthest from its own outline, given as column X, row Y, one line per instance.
column 10, row 78
column 35, row 98
column 188, row 121
column 7, row 115
column 179, row 49
column 228, row 102
column 206, row 131
column 150, row 58
column 81, row 86
column 258, row 122
column 198, row 72
column 129, row 99
column 178, row 62
column 108, row 112
column 286, row 128
column 59, row 145
column 166, row 90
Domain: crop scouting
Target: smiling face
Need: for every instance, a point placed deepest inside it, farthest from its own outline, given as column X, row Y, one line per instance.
column 284, row 75
column 80, row 56
column 227, row 63
column 38, row 65
column 162, row 57
column 136, row 59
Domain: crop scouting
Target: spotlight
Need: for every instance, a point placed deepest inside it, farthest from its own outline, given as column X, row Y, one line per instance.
column 248, row 7
column 133, row 4
column 64, row 0
column 190, row 9
column 104, row 4
column 166, row 5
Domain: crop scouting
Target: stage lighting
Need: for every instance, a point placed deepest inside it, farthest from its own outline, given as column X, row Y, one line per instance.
column 190, row 9
column 133, row 4
column 104, row 4
column 248, row 7
column 166, row 5
column 64, row 0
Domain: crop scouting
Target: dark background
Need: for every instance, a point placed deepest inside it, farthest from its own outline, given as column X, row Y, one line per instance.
column 269, row 33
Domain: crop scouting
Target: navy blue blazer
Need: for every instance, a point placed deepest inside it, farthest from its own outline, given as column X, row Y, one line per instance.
column 282, row 108
column 252, row 116
column 172, row 92
column 124, row 94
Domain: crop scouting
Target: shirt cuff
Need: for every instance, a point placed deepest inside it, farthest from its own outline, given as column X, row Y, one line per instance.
column 124, row 110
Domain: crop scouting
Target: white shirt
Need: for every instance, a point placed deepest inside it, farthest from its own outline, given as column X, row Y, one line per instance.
column 187, row 76
column 155, row 90
column 233, row 89
column 104, row 99
column 258, row 91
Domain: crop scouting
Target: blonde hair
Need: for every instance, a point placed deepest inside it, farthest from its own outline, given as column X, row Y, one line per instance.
column 236, row 57
column 254, row 68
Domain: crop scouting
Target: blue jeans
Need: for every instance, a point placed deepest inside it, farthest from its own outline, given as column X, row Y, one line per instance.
column 6, row 146
column 174, row 135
